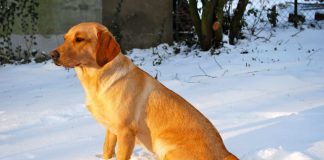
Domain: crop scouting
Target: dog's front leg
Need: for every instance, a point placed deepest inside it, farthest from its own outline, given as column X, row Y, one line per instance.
column 126, row 143
column 109, row 145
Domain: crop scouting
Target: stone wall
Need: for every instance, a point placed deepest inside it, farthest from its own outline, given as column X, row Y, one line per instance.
column 57, row 16
column 142, row 23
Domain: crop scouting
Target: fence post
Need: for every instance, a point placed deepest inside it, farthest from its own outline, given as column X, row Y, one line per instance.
column 296, row 14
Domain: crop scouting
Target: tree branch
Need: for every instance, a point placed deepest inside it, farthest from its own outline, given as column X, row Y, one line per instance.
column 204, row 75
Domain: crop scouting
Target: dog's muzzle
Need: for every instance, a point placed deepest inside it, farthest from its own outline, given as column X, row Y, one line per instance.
column 55, row 55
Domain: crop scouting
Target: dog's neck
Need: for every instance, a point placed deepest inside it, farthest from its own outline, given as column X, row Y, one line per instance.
column 97, row 80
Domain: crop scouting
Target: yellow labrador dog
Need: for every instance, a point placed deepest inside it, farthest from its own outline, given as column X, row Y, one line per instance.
column 133, row 106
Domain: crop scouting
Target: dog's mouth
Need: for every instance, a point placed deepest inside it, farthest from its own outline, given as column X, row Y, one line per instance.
column 66, row 66
column 56, row 63
column 72, row 66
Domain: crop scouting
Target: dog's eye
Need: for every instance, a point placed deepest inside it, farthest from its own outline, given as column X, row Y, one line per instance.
column 79, row 39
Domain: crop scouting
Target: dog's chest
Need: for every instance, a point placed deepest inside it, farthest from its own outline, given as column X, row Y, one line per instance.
column 101, row 113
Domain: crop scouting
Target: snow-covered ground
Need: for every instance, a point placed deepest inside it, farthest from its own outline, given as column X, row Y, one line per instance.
column 267, row 104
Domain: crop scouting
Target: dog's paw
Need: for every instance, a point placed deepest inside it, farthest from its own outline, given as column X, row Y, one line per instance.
column 102, row 157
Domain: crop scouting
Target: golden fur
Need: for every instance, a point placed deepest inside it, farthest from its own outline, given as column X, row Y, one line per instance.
column 133, row 106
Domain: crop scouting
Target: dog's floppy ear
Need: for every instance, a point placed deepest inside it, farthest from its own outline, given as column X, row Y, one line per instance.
column 107, row 48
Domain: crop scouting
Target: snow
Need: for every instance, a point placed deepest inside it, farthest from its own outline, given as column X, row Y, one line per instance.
column 267, row 104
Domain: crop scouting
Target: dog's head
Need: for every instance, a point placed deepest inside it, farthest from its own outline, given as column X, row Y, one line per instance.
column 86, row 44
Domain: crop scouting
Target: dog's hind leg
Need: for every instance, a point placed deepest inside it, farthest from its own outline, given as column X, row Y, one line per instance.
column 178, row 155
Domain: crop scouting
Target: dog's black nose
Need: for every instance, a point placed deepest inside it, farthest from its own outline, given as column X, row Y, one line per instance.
column 55, row 55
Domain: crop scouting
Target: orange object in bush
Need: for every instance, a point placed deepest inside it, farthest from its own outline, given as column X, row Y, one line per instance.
column 216, row 26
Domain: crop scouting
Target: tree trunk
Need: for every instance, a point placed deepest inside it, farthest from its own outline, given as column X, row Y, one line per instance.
column 219, row 12
column 236, row 21
column 206, row 25
column 203, row 26
column 195, row 17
